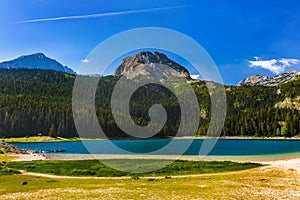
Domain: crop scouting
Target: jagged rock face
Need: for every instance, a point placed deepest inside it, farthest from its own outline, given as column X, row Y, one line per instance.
column 36, row 61
column 270, row 81
column 132, row 64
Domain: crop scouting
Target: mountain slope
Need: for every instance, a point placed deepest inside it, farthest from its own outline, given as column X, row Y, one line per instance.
column 36, row 101
column 35, row 61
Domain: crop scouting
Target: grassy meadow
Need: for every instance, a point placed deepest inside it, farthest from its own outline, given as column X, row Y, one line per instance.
column 98, row 169
column 232, row 181
column 258, row 183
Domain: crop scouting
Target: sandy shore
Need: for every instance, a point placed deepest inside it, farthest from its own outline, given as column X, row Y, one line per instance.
column 292, row 164
column 30, row 157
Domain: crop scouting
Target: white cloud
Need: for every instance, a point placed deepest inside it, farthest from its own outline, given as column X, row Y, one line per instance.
column 288, row 62
column 84, row 61
column 276, row 66
column 98, row 15
column 196, row 76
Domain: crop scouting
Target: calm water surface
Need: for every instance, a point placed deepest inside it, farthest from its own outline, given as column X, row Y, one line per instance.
column 222, row 148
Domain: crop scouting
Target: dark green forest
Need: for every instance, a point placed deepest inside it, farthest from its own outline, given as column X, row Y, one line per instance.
column 36, row 101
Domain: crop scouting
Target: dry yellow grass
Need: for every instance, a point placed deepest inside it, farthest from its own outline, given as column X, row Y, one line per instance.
column 7, row 157
column 260, row 183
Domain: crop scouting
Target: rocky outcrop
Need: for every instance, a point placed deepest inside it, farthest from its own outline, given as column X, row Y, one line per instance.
column 270, row 81
column 291, row 103
column 8, row 148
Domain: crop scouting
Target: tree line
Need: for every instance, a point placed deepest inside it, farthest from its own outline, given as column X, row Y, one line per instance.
column 36, row 102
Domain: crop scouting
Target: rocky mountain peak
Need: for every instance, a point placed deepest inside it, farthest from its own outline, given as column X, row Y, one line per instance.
column 34, row 55
column 132, row 64
column 256, row 80
column 36, row 61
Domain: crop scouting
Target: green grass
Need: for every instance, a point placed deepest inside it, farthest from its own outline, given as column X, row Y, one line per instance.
column 98, row 169
column 4, row 170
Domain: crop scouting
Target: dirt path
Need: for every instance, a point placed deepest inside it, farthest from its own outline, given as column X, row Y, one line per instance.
column 68, row 177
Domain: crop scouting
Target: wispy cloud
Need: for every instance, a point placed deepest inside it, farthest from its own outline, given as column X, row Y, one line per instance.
column 276, row 66
column 97, row 15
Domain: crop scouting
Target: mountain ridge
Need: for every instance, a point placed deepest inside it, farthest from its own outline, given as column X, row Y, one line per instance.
column 35, row 61
column 261, row 80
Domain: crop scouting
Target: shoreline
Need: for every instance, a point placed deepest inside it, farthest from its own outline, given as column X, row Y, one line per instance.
column 45, row 139
column 259, row 158
column 30, row 157
column 28, row 154
column 60, row 139
column 238, row 138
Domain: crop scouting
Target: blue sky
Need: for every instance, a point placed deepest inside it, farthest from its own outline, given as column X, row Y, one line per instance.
column 232, row 32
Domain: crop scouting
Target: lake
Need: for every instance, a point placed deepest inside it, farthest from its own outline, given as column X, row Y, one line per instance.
column 226, row 147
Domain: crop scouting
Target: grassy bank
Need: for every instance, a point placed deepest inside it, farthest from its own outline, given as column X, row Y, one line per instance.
column 4, row 170
column 46, row 139
column 96, row 168
column 39, row 139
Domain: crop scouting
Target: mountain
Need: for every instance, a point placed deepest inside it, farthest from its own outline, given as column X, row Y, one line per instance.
column 35, row 101
column 135, row 65
column 270, row 81
column 36, row 61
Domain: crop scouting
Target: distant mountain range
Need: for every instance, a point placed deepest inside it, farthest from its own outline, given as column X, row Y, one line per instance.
column 270, row 81
column 134, row 65
column 35, row 61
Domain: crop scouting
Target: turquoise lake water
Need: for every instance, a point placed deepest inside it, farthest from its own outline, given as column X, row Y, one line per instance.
column 222, row 147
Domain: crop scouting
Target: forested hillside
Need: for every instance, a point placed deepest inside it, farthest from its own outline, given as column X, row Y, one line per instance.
column 34, row 101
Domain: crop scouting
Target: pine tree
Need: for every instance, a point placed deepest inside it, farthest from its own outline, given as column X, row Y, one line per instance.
column 52, row 131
